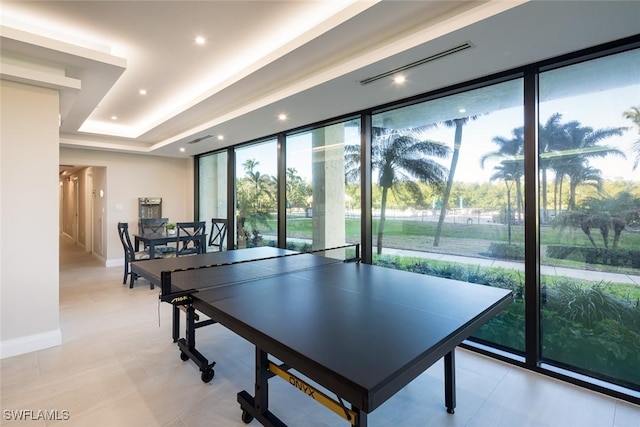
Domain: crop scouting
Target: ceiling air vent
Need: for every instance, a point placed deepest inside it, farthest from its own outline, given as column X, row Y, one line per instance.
column 202, row 138
column 460, row 48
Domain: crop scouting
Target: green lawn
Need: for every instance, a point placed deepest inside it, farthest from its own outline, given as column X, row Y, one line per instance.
column 472, row 239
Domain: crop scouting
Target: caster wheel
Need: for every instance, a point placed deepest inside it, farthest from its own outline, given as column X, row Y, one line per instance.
column 183, row 357
column 207, row 375
column 246, row 417
column 451, row 410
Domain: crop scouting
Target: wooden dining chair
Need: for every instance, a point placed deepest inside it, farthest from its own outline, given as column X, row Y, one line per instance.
column 130, row 254
column 190, row 238
column 156, row 226
column 153, row 225
column 218, row 233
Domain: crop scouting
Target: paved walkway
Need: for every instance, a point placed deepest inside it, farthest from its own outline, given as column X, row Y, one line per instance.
column 545, row 269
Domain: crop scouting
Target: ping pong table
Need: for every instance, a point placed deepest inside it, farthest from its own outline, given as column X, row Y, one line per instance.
column 152, row 271
column 357, row 331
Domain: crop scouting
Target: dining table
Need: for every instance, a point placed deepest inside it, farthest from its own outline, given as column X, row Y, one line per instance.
column 153, row 240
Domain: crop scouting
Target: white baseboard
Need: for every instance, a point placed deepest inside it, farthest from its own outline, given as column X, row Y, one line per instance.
column 113, row 262
column 30, row 343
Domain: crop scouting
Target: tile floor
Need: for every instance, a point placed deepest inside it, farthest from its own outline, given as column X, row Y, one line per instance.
column 117, row 366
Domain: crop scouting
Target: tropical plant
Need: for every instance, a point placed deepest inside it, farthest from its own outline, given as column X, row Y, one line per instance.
column 510, row 172
column 400, row 156
column 255, row 198
column 566, row 149
column 579, row 144
column 548, row 134
column 458, row 124
column 633, row 114
column 511, row 168
column 298, row 191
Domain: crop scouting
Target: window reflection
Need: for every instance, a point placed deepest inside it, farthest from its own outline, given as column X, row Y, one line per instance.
column 590, row 200
column 323, row 192
column 256, row 195
column 448, row 194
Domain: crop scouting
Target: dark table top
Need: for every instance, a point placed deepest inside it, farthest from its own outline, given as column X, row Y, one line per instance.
column 152, row 269
column 362, row 331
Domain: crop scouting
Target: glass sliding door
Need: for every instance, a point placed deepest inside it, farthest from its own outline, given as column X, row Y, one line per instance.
column 589, row 152
column 448, row 194
column 212, row 190
column 256, row 173
column 323, row 187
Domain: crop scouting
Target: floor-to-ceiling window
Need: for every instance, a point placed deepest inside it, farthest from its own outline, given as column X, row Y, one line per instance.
column 323, row 187
column 447, row 194
column 589, row 150
column 447, row 190
column 256, row 186
column 212, row 181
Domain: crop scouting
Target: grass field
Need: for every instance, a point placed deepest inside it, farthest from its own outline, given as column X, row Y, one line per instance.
column 472, row 239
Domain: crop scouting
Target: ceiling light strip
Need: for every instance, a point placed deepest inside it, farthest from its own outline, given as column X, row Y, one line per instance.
column 460, row 48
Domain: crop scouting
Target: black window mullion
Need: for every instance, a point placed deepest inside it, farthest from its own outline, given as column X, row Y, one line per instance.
column 231, row 198
column 532, row 221
column 365, row 189
column 281, row 203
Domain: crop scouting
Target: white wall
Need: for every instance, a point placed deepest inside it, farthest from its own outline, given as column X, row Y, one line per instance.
column 127, row 177
column 29, row 280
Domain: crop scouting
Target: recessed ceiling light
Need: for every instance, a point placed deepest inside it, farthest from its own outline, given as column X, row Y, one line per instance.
column 462, row 110
column 114, row 117
column 182, row 150
column 200, row 40
column 220, row 137
column 142, row 91
column 282, row 117
column 399, row 79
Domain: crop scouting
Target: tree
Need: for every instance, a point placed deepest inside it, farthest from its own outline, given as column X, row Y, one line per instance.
column 458, row 124
column 565, row 148
column 575, row 145
column 511, row 150
column 399, row 156
column 633, row 114
column 548, row 135
column 298, row 191
column 255, row 198
column 510, row 172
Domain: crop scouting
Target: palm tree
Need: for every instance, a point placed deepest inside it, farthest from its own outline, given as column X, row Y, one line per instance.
column 510, row 172
column 548, row 135
column 298, row 191
column 582, row 174
column 399, row 156
column 633, row 114
column 573, row 150
column 254, row 190
column 512, row 151
column 458, row 124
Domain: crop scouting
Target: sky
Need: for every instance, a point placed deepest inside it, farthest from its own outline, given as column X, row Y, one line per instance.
column 601, row 109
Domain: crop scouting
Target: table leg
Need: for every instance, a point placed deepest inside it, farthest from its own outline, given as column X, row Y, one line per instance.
column 176, row 323
column 257, row 406
column 450, row 381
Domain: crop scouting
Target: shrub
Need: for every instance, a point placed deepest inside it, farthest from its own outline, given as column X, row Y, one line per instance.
column 506, row 251
column 590, row 255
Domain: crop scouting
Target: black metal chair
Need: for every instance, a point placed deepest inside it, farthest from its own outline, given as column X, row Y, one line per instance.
column 218, row 233
column 190, row 238
column 130, row 254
